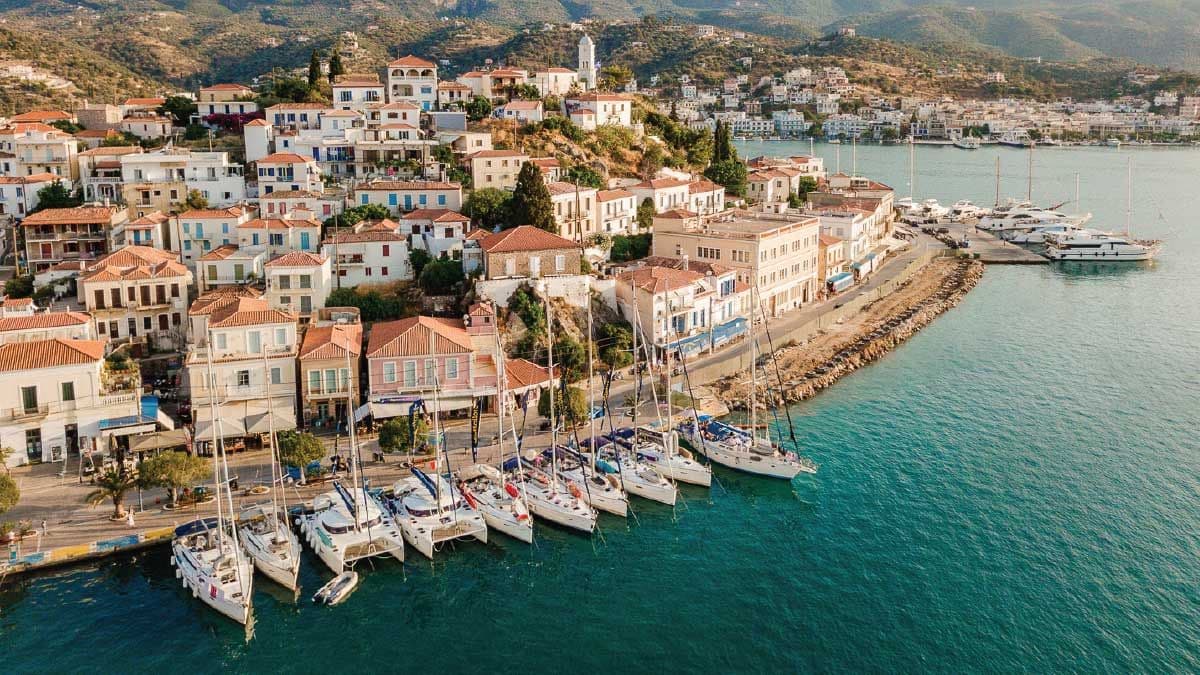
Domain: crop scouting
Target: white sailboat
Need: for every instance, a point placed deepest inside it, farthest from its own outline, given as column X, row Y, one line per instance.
column 499, row 501
column 744, row 449
column 349, row 525
column 431, row 512
column 549, row 496
column 272, row 545
column 206, row 553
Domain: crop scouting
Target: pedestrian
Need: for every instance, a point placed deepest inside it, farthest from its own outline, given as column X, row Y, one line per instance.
column 129, row 518
column 44, row 530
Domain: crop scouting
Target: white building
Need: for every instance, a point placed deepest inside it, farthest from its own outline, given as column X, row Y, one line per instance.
column 173, row 172
column 199, row 231
column 369, row 255
column 616, row 211
column 402, row 196
column 588, row 69
column 230, row 265
column 356, row 92
column 299, row 283
column 19, row 194
column 288, row 171
column 415, row 80
column 137, row 293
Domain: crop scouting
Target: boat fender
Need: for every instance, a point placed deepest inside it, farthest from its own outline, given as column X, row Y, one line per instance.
column 612, row 480
column 511, row 490
column 470, row 499
column 575, row 491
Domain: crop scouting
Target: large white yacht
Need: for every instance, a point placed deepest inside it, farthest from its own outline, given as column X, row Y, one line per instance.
column 1045, row 235
column 431, row 511
column 1107, row 248
column 967, row 143
column 661, row 450
column 964, row 208
column 551, row 500
column 1028, row 218
column 637, row 476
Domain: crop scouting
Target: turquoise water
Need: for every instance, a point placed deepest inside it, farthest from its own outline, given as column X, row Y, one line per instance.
column 1014, row 489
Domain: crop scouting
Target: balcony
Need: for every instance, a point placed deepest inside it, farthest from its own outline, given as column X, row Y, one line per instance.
column 25, row 412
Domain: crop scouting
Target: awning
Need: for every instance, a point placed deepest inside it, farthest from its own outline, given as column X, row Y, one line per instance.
column 382, row 411
column 839, row 282
column 159, row 440
column 124, row 426
column 729, row 330
column 690, row 345
column 260, row 423
column 233, row 421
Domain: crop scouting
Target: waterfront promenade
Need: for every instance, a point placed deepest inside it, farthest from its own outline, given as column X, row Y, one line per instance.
column 73, row 528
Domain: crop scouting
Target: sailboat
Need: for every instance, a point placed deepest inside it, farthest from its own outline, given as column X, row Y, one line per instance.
column 430, row 509
column 549, row 496
column 206, row 553
column 349, row 525
column 272, row 545
column 744, row 449
column 499, row 501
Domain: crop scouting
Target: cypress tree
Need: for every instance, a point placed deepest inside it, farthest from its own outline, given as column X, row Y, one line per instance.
column 335, row 64
column 531, row 203
column 314, row 70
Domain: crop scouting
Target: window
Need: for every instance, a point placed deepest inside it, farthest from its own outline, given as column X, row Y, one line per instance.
column 410, row 373
column 330, row 379
column 383, row 271
column 387, row 250
column 314, row 381
column 254, row 342
column 285, row 281
column 243, row 378
column 285, row 300
column 510, row 267
column 174, row 290
column 389, row 371
column 276, row 375
column 146, row 323
column 305, row 281
column 452, row 369
column 430, row 371
column 344, row 380
column 220, row 340
column 68, row 391
column 280, row 337
column 560, row 263
column 441, row 200
column 306, row 303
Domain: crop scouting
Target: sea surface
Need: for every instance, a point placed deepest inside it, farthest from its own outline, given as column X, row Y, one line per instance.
column 1015, row 489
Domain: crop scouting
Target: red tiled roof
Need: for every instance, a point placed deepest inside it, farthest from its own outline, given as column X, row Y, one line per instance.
column 414, row 61
column 436, row 215
column 15, row 302
column 331, row 342
column 828, row 240
column 39, row 354
column 220, row 296
column 564, row 188
column 523, row 105
column 478, row 234
column 284, row 158
column 42, row 116
column 355, row 79
column 364, row 236
column 702, row 185
column 298, row 259
column 661, row 183
column 525, row 238
column 659, row 279
column 135, row 262
column 220, row 252
column 114, row 151
column 546, row 162
column 380, row 225
column 520, row 373
column 76, row 215
column 419, row 335
column 609, row 195
column 409, row 185
column 495, row 153
column 26, row 180
column 278, row 223
column 677, row 213
column 43, row 320
column 226, row 87
column 230, row 212
column 257, row 123
column 248, row 312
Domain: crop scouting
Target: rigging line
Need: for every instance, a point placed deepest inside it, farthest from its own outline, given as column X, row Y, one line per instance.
column 687, row 380
column 778, row 375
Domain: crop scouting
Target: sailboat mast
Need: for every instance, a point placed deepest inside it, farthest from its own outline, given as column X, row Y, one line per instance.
column 753, row 368
column 591, row 387
column 854, row 155
column 216, row 439
column 637, row 328
column 359, row 513
column 274, row 450
column 912, row 167
column 997, row 180
column 1129, row 198
column 550, row 366
column 1029, row 186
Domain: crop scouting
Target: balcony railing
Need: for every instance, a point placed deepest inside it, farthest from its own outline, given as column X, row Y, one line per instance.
column 25, row 412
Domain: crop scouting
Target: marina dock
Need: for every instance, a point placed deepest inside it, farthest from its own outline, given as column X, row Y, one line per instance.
column 994, row 251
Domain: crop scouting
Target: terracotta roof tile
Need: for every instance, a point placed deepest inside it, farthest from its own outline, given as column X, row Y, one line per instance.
column 220, row 252
column 39, row 354
column 436, row 215
column 298, row 259
column 42, row 320
column 525, row 238
column 419, row 335
column 331, row 342
column 609, row 195
column 409, row 185
column 230, row 212
column 414, row 61
column 77, row 215
column 659, row 279
column 364, row 236
column 520, row 374
column 248, row 312
column 221, row 296
column 284, row 158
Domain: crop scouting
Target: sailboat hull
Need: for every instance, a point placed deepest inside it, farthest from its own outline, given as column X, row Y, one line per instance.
column 283, row 570
column 235, row 605
column 506, row 523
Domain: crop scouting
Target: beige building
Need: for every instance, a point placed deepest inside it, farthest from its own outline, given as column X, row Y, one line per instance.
column 135, row 293
column 329, row 366
column 496, row 168
column 776, row 255
column 574, row 209
column 77, row 233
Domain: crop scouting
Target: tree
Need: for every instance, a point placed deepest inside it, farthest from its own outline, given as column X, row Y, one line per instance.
column 112, row 485
column 531, row 203
column 174, row 471
column 795, row 201
column 5, row 453
column 524, row 91
column 478, row 107
column 418, row 259
column 396, row 435
column 121, row 139
column 488, row 207
column 335, row 63
column 585, row 176
column 440, row 277
column 630, row 247
column 299, row 448
column 576, row 398
column 179, row 108
column 356, row 215
column 194, row 132
column 55, row 196
column 372, row 305
column 9, row 492
column 615, row 77
column 807, row 185
column 674, row 115
column 645, row 215
column 723, row 149
column 67, row 126
column 195, row 200
column 731, row 173
column 19, row 287
column 652, row 161
column 570, row 357
column 616, row 340
column 314, row 70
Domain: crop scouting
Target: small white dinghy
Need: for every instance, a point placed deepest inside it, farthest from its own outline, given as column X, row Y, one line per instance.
column 337, row 590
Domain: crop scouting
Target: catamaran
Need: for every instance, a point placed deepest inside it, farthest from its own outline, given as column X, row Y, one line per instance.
column 431, row 512
column 206, row 553
column 264, row 528
column 349, row 525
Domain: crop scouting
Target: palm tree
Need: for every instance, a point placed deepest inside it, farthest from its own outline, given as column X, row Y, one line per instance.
column 112, row 485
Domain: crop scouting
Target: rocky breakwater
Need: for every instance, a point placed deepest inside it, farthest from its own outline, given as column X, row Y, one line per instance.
column 807, row 368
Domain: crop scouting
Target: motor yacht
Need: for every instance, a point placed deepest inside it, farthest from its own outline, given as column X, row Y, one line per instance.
column 1107, row 248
